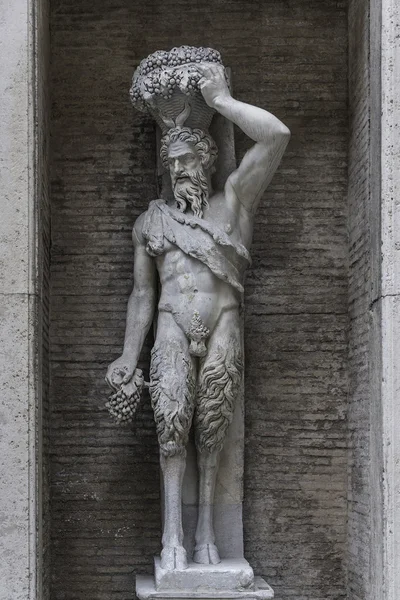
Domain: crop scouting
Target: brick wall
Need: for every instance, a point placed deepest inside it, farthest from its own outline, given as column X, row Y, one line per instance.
column 289, row 56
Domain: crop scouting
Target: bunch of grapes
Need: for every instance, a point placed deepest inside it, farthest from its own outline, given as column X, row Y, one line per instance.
column 123, row 404
column 154, row 61
column 152, row 83
column 210, row 55
column 192, row 82
column 135, row 94
column 174, row 79
column 191, row 54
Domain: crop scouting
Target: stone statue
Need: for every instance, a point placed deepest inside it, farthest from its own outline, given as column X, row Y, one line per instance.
column 196, row 244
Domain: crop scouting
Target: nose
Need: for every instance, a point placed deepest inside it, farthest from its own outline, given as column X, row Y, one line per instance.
column 177, row 166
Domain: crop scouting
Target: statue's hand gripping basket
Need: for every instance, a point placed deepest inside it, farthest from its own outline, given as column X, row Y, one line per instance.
column 166, row 85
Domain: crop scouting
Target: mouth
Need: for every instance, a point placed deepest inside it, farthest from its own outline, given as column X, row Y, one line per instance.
column 181, row 178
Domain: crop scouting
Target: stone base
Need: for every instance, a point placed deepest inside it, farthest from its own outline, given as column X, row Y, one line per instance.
column 229, row 574
column 208, row 582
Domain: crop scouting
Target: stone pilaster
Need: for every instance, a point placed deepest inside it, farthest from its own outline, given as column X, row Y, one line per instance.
column 374, row 365
column 389, row 300
column 22, row 186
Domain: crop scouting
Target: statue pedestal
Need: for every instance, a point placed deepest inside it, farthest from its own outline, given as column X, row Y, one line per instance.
column 231, row 578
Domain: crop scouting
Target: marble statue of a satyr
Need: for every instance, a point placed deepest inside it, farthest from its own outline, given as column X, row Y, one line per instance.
column 196, row 244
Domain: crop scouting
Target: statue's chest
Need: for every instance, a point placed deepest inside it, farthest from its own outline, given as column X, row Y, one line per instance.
column 175, row 265
column 173, row 260
column 218, row 214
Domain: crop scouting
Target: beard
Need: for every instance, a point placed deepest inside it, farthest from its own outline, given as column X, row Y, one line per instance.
column 192, row 190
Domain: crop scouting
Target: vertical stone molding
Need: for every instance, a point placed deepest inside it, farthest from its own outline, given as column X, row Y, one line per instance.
column 23, row 185
column 390, row 294
column 364, row 273
column 374, row 219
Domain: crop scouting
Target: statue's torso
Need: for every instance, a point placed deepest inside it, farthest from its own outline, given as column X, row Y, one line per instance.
column 188, row 285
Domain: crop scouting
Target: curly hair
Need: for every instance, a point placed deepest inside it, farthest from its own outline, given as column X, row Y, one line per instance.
column 219, row 382
column 204, row 144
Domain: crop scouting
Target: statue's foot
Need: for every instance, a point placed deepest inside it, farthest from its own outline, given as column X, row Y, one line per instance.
column 206, row 554
column 173, row 558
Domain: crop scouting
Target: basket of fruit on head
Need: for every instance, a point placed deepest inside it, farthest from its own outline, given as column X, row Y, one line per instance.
column 168, row 81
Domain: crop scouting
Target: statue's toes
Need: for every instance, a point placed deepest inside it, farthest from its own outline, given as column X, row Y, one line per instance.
column 206, row 554
column 173, row 558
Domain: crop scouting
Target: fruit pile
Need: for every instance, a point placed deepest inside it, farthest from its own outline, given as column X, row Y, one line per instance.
column 123, row 404
column 161, row 73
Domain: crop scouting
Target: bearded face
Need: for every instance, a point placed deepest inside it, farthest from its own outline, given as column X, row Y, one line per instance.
column 189, row 180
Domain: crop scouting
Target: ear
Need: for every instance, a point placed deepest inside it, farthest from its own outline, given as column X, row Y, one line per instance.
column 207, row 162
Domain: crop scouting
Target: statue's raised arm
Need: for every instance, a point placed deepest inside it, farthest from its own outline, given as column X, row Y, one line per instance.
column 251, row 178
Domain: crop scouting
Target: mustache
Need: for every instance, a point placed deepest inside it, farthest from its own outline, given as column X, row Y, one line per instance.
column 196, row 177
column 193, row 176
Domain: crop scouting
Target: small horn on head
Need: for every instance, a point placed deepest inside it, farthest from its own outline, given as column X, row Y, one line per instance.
column 170, row 123
column 183, row 115
column 180, row 119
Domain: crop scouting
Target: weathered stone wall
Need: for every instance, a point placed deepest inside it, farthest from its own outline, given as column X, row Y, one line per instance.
column 359, row 298
column 365, row 496
column 43, row 113
column 287, row 56
column 24, row 263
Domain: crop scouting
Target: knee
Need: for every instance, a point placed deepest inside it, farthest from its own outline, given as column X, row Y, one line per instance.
column 173, row 425
column 172, row 448
column 208, row 459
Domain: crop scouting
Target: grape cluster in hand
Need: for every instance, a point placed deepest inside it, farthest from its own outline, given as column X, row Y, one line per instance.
column 123, row 404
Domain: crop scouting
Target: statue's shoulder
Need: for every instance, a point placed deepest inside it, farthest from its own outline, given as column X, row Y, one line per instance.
column 137, row 231
column 147, row 222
